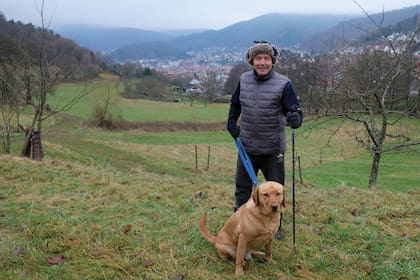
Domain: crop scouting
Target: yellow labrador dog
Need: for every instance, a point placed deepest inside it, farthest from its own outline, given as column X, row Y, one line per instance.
column 251, row 227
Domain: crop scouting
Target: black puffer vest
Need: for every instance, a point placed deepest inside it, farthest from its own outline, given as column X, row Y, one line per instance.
column 262, row 120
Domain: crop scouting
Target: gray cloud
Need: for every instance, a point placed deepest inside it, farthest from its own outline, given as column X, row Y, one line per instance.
column 177, row 14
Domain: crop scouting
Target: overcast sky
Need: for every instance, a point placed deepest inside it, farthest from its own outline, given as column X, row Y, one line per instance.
column 179, row 14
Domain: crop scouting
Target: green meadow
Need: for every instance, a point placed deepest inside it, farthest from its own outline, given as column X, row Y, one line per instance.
column 125, row 204
column 135, row 110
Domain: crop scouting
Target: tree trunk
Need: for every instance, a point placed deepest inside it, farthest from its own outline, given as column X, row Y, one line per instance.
column 26, row 149
column 8, row 139
column 374, row 170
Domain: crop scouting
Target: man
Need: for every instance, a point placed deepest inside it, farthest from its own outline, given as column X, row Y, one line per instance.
column 265, row 101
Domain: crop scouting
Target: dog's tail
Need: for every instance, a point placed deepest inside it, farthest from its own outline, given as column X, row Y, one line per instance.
column 203, row 230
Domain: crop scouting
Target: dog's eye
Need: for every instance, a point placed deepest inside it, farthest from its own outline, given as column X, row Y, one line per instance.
column 278, row 194
column 266, row 194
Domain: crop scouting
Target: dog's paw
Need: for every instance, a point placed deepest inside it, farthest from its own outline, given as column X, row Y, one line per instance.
column 239, row 271
column 270, row 260
column 248, row 256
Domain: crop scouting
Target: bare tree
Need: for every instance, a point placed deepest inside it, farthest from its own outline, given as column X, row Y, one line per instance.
column 10, row 103
column 42, row 78
column 211, row 86
column 233, row 78
column 152, row 87
column 11, row 87
column 103, row 115
column 373, row 86
column 312, row 78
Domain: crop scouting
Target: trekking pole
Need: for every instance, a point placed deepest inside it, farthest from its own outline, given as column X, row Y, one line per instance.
column 293, row 185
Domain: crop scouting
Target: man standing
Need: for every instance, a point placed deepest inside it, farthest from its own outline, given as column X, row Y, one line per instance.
column 265, row 101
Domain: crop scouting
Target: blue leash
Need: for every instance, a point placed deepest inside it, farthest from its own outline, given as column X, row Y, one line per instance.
column 246, row 162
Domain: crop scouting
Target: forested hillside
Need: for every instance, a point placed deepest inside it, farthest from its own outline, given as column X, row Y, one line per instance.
column 359, row 30
column 23, row 44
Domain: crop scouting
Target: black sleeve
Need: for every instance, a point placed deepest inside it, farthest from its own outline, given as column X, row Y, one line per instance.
column 234, row 110
column 290, row 100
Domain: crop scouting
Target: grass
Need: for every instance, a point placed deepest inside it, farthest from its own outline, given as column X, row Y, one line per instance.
column 398, row 172
column 101, row 222
column 125, row 205
column 134, row 110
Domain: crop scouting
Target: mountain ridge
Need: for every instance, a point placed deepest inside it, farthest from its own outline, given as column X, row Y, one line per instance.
column 298, row 31
column 357, row 28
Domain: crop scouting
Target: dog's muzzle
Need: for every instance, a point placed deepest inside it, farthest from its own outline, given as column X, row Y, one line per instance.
column 274, row 207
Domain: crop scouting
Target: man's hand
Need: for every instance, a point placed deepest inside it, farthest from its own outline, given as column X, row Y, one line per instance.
column 294, row 119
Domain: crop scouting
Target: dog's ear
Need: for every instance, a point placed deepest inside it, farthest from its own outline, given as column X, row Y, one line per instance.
column 255, row 196
column 284, row 199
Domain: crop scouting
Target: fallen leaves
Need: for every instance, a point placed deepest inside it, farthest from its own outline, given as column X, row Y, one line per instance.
column 56, row 260
column 155, row 217
column 355, row 212
column 148, row 262
column 128, row 228
column 76, row 242
column 17, row 251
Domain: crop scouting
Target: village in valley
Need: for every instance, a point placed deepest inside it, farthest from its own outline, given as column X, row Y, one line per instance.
column 220, row 60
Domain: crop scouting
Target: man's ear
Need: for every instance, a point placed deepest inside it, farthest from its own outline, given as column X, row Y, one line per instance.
column 255, row 197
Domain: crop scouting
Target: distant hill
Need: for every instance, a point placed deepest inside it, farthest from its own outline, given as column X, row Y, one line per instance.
column 356, row 29
column 281, row 29
column 287, row 29
column 404, row 26
column 147, row 50
column 304, row 32
column 108, row 39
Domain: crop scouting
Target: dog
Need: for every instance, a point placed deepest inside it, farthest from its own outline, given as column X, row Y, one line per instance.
column 251, row 227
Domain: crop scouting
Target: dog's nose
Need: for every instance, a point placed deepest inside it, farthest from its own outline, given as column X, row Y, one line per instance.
column 274, row 207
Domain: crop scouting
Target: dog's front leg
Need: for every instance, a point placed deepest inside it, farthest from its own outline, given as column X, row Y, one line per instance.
column 240, row 255
column 268, row 252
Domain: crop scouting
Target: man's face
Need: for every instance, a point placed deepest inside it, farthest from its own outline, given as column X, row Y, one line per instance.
column 262, row 64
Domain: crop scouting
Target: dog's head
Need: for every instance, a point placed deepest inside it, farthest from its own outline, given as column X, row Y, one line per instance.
column 269, row 197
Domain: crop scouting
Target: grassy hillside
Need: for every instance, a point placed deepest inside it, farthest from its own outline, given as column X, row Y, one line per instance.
column 134, row 110
column 125, row 205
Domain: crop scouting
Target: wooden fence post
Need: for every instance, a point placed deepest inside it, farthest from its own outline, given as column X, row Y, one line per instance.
column 208, row 158
column 300, row 170
column 196, row 158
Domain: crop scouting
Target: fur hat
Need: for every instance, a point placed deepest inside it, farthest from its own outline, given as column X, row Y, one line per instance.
column 260, row 47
